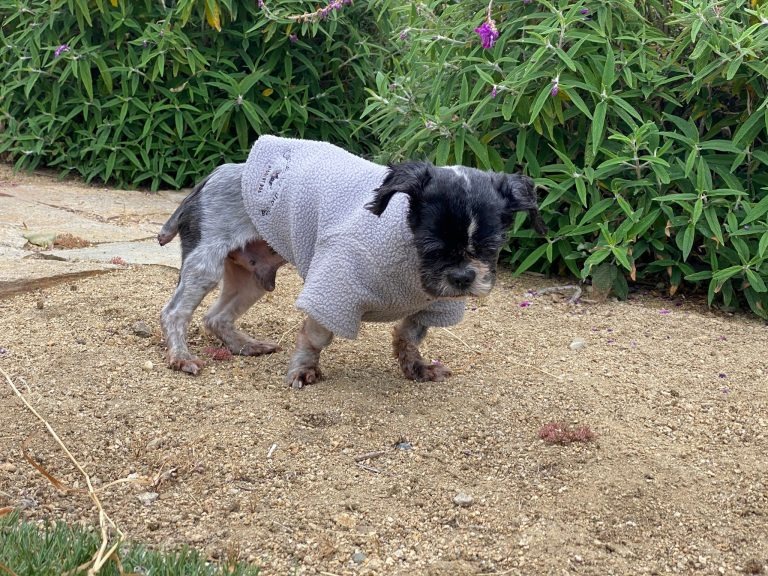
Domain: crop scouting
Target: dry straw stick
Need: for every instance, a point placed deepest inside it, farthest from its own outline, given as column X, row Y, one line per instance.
column 104, row 552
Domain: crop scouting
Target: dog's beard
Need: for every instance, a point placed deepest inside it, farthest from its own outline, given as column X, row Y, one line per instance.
column 436, row 282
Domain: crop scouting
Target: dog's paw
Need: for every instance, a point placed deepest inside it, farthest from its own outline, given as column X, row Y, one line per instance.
column 257, row 348
column 303, row 376
column 186, row 363
column 421, row 372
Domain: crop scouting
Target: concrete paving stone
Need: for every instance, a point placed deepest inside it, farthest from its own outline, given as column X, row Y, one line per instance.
column 26, row 216
column 145, row 252
column 92, row 201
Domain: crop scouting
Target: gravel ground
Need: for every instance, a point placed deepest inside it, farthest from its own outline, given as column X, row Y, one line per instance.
column 460, row 481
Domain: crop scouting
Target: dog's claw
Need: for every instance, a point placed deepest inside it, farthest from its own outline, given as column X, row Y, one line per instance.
column 422, row 372
column 186, row 363
column 257, row 348
column 300, row 377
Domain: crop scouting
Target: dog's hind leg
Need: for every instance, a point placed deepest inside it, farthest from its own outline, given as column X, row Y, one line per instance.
column 239, row 291
column 305, row 362
column 407, row 336
column 199, row 275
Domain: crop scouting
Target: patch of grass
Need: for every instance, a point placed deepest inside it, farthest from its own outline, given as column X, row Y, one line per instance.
column 27, row 549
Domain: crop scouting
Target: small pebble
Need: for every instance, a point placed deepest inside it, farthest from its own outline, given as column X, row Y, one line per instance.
column 148, row 365
column 147, row 498
column 577, row 344
column 8, row 467
column 463, row 500
column 40, row 304
column 141, row 329
column 358, row 557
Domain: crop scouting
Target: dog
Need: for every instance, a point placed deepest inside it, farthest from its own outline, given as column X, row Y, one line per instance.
column 406, row 242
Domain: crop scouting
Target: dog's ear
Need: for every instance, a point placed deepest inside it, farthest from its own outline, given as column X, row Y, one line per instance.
column 519, row 193
column 409, row 178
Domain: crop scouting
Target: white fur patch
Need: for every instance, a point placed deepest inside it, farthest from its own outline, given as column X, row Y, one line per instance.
column 471, row 229
column 459, row 171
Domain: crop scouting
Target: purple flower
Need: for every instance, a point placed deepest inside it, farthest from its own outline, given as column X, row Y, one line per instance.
column 488, row 33
column 293, row 38
column 584, row 11
column 555, row 89
column 404, row 35
column 494, row 91
column 722, row 375
column 664, row 311
column 524, row 304
column 60, row 50
column 526, row 2
column 261, row 3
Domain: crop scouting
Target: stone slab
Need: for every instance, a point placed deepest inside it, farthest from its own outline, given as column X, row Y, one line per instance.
column 145, row 252
column 91, row 201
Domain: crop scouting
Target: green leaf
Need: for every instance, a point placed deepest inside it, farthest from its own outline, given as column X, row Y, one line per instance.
column 458, row 146
column 755, row 281
column 538, row 104
column 763, row 245
column 714, row 225
column 741, row 248
column 532, row 258
column 756, row 211
column 620, row 253
column 748, row 130
column 596, row 209
column 598, row 124
column 697, row 209
column 594, row 259
column 733, row 67
column 687, row 245
column 480, row 150
column 698, row 276
column 85, row 77
column 722, row 275
column 609, row 68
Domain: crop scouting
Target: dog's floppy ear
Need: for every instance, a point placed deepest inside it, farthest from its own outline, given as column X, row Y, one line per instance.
column 409, row 178
column 519, row 193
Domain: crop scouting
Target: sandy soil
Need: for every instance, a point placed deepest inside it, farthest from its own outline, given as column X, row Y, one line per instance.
column 675, row 482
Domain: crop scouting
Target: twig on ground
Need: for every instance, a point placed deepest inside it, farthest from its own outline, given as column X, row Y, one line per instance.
column 462, row 341
column 568, row 288
column 271, row 450
column 369, row 455
column 104, row 553
column 369, row 468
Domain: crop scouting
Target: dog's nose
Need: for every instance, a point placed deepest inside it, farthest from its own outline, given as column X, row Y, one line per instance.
column 462, row 278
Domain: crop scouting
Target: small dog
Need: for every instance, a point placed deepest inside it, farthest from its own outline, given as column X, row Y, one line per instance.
column 405, row 242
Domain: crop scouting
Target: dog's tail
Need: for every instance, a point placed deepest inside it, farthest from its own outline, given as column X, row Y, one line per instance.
column 171, row 227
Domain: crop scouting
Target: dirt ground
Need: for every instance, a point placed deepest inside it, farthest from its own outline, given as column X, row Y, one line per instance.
column 675, row 482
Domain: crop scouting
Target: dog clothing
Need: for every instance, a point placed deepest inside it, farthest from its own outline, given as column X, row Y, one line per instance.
column 307, row 200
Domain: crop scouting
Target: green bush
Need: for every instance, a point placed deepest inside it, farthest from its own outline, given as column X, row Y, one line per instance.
column 149, row 93
column 644, row 121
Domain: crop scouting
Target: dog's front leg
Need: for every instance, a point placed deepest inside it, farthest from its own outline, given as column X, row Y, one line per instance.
column 407, row 336
column 305, row 361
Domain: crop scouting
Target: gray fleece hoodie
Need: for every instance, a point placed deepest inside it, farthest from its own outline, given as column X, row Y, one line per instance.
column 307, row 200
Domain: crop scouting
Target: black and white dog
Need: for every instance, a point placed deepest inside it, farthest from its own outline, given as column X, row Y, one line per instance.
column 405, row 242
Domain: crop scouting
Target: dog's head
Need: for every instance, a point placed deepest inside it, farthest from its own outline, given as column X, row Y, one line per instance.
column 458, row 217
